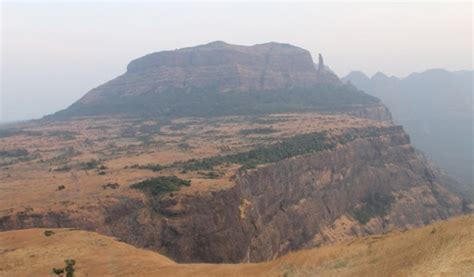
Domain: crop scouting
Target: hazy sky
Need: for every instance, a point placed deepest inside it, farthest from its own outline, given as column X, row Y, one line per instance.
column 54, row 53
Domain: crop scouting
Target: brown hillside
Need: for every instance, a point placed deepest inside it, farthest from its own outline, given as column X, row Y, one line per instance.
column 264, row 186
column 442, row 249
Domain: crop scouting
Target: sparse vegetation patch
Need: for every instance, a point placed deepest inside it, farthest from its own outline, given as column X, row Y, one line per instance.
column 66, row 135
column 69, row 268
column 160, row 185
column 92, row 164
column 297, row 145
column 258, row 131
column 373, row 205
column 13, row 153
column 63, row 168
column 49, row 233
column 152, row 167
column 210, row 175
column 111, row 186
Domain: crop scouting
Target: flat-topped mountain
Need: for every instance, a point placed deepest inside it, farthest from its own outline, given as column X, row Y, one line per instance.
column 219, row 66
column 227, row 67
column 223, row 79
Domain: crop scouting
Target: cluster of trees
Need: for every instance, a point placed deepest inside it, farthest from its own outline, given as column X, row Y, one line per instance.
column 287, row 148
column 160, row 185
column 294, row 146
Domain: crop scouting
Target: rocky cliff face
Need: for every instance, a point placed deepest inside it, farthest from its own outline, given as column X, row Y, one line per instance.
column 218, row 66
column 283, row 206
column 369, row 185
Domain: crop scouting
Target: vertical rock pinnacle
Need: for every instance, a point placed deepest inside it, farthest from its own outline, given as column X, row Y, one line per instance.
column 321, row 63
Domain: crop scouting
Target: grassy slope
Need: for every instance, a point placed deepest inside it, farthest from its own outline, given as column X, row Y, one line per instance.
column 441, row 249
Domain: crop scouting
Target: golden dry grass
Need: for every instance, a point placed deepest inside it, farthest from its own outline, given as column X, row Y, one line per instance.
column 441, row 249
column 31, row 253
column 31, row 185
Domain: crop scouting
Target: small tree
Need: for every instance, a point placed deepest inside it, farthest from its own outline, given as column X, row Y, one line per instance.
column 69, row 268
column 58, row 271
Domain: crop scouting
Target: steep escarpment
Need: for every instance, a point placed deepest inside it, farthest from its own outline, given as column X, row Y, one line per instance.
column 372, row 181
column 222, row 79
column 283, row 206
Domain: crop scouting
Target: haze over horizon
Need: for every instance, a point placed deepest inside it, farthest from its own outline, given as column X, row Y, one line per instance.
column 236, row 138
column 52, row 54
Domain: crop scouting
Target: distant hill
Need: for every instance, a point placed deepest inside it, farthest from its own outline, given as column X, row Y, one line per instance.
column 444, row 248
column 436, row 109
column 223, row 79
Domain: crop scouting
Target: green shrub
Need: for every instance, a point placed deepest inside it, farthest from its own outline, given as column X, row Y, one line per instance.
column 92, row 164
column 160, row 185
column 110, row 185
column 49, row 233
column 210, row 174
column 61, row 187
column 58, row 271
column 152, row 167
column 69, row 268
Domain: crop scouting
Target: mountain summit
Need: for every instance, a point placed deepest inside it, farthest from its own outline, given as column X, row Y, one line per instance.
column 218, row 66
column 222, row 79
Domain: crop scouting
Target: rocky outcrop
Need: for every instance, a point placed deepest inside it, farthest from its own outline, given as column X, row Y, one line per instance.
column 218, row 66
column 222, row 79
column 321, row 66
column 375, row 112
column 378, row 181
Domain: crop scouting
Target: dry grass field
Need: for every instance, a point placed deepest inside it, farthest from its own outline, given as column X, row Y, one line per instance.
column 51, row 166
column 441, row 249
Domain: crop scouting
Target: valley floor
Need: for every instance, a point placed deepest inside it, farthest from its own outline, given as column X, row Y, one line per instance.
column 441, row 249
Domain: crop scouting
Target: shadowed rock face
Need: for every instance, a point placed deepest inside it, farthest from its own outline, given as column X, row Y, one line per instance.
column 279, row 207
column 435, row 108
